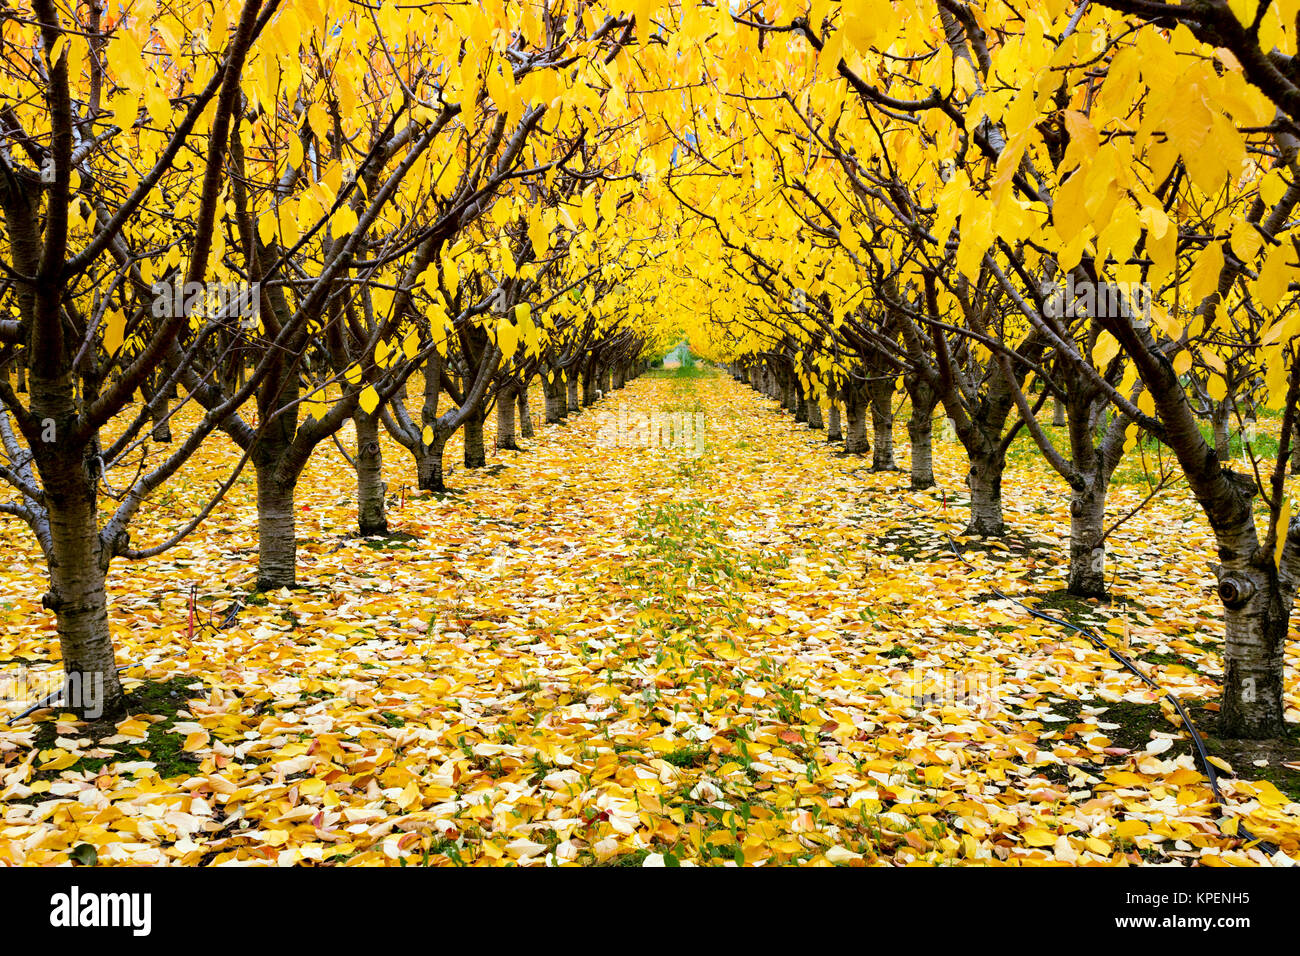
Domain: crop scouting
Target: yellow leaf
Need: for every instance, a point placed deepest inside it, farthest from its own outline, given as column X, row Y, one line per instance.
column 507, row 338
column 1039, row 837
column 1283, row 520
column 133, row 728
column 369, row 400
column 114, row 329
column 1128, row 829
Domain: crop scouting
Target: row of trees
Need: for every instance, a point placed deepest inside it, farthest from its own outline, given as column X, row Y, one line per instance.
column 1087, row 207
column 1088, row 204
column 272, row 220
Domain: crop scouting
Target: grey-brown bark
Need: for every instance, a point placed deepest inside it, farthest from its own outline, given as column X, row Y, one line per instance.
column 506, row 403
column 371, row 517
column 156, row 398
column 1087, row 574
column 920, row 434
column 525, row 413
column 429, row 473
column 475, row 453
column 815, row 421
column 277, row 547
column 985, row 482
column 1220, row 425
column 881, row 391
column 553, row 392
column 571, row 390
column 855, row 413
column 590, row 382
column 834, row 432
column 1093, row 464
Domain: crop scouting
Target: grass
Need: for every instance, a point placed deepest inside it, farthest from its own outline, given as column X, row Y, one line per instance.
column 687, row 757
column 1142, row 463
column 163, row 748
column 394, row 540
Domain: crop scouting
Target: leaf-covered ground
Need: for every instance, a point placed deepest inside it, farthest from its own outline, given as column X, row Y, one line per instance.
column 588, row 654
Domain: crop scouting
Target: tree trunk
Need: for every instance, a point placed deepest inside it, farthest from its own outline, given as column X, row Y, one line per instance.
column 525, row 413
column 1087, row 550
column 855, row 410
column 428, row 465
column 506, row 419
column 556, row 409
column 1256, row 592
column 571, row 384
column 815, row 414
column 475, row 456
column 277, row 547
column 162, row 429
column 800, row 401
column 985, row 481
column 1255, row 630
column 370, row 475
column 77, row 595
column 833, row 430
column 1222, row 439
column 920, row 432
column 786, row 385
column 1058, row 412
column 1257, row 602
column 882, row 425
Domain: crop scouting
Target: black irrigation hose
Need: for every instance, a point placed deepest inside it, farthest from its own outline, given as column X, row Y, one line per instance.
column 1100, row 643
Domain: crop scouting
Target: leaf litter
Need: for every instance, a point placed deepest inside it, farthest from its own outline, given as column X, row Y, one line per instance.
column 765, row 654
